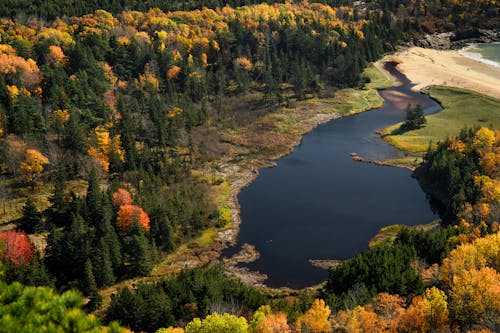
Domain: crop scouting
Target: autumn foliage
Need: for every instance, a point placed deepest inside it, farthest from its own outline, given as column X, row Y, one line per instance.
column 315, row 320
column 15, row 247
column 122, row 197
column 128, row 215
column 32, row 165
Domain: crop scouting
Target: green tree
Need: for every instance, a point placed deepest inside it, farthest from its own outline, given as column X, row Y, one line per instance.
column 415, row 118
column 217, row 323
column 31, row 220
column 140, row 255
column 40, row 309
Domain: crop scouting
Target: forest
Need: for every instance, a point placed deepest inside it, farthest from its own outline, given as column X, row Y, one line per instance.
column 115, row 109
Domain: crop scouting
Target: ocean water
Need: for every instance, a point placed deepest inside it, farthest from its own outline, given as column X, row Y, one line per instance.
column 487, row 53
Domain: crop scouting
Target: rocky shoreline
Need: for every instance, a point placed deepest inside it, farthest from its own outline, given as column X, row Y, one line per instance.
column 456, row 41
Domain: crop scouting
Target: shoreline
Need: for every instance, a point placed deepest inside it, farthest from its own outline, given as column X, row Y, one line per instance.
column 256, row 278
column 426, row 67
column 478, row 56
column 241, row 174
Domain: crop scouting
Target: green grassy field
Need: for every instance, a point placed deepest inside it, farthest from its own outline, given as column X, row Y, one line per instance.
column 378, row 80
column 462, row 108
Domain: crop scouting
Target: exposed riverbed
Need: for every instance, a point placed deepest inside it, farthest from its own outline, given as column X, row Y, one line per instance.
column 318, row 203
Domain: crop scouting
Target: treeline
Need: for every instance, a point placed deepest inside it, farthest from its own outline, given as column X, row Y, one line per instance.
column 177, row 300
column 51, row 9
column 429, row 16
column 462, row 173
column 426, row 16
column 461, row 295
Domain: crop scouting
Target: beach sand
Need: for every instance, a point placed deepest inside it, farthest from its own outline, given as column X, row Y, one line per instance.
column 426, row 67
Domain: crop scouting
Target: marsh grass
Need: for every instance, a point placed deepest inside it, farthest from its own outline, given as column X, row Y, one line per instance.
column 461, row 108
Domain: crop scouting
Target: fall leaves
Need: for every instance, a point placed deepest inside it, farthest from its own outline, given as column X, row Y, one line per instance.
column 16, row 248
column 465, row 295
column 32, row 165
column 128, row 214
column 27, row 162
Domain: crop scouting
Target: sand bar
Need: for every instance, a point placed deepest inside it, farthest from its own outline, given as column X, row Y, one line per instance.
column 426, row 67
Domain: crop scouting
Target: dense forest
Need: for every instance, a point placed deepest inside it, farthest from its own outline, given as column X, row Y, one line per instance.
column 426, row 14
column 121, row 100
column 114, row 107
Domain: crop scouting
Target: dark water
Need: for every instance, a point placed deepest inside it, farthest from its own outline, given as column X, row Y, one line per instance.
column 320, row 204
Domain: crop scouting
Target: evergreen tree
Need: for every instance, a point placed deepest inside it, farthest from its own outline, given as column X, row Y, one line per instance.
column 140, row 255
column 94, row 214
column 58, row 211
column 415, row 118
column 89, row 285
column 33, row 274
column 31, row 221
column 104, row 275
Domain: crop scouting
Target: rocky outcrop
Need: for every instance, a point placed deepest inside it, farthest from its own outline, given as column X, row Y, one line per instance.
column 454, row 40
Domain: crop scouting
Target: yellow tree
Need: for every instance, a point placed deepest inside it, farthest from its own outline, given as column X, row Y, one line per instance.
column 483, row 252
column 315, row 320
column 171, row 330
column 436, row 310
column 264, row 321
column 475, row 297
column 359, row 320
column 390, row 309
column 217, row 323
column 32, row 165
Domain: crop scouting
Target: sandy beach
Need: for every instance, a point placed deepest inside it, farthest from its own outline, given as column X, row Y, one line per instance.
column 426, row 67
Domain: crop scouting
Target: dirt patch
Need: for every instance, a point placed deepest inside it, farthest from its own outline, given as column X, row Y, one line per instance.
column 383, row 163
column 325, row 263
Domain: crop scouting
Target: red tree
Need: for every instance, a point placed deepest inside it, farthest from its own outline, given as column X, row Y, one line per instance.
column 122, row 197
column 128, row 215
column 15, row 247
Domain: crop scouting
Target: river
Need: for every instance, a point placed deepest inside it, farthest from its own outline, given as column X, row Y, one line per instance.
column 318, row 203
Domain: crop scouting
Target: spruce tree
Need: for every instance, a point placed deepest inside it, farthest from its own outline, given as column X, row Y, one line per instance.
column 140, row 254
column 415, row 118
column 104, row 276
column 31, row 221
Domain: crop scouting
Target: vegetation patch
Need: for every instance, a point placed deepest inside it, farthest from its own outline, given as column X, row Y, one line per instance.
column 461, row 108
column 11, row 205
column 410, row 162
column 377, row 79
column 387, row 235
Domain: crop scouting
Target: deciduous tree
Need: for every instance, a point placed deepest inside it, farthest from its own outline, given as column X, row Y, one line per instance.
column 122, row 197
column 128, row 215
column 32, row 165
column 315, row 320
column 16, row 248
column 217, row 323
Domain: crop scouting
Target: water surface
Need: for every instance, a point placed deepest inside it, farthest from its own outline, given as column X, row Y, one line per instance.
column 320, row 204
column 488, row 53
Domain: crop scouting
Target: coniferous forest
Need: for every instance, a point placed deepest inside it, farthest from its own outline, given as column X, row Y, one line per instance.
column 113, row 117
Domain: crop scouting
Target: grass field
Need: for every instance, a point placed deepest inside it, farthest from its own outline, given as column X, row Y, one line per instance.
column 350, row 101
column 378, row 80
column 15, row 197
column 462, row 108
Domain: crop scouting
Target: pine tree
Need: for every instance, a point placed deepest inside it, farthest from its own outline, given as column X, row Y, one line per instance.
column 415, row 118
column 58, row 211
column 90, row 287
column 95, row 215
column 104, row 276
column 88, row 284
column 31, row 221
column 140, row 254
